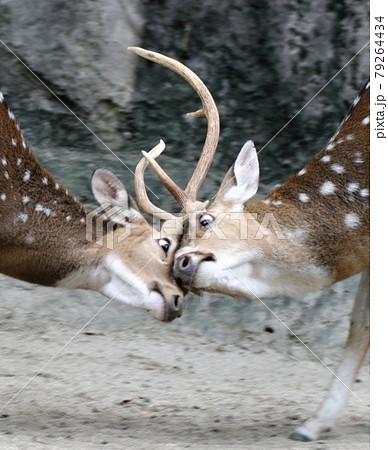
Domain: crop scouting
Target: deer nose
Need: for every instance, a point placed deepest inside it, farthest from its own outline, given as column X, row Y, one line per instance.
column 173, row 301
column 184, row 270
column 186, row 266
column 174, row 308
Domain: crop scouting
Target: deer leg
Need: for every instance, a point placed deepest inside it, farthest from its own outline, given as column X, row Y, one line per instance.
column 356, row 347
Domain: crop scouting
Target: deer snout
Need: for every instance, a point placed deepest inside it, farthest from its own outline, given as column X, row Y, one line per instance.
column 173, row 302
column 186, row 266
column 174, row 308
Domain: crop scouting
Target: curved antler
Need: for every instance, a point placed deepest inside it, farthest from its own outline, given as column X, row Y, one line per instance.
column 209, row 109
column 140, row 187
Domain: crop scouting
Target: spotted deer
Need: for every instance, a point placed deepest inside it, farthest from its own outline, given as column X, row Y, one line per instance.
column 44, row 239
column 307, row 234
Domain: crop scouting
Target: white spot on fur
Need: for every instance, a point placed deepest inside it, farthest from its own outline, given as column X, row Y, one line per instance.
column 365, row 121
column 13, row 140
column 326, row 158
column 349, row 137
column 46, row 211
column 25, row 199
column 44, row 180
column 3, row 197
column 11, row 115
column 330, row 146
column 26, row 175
column 337, row 168
column 302, row 172
column 364, row 192
column 4, row 162
column 18, row 162
column 1, row 97
column 21, row 217
column 6, row 175
column 82, row 220
column 68, row 218
column 30, row 239
column 352, row 220
column 56, row 186
column 277, row 202
column 352, row 187
column 327, row 188
column 303, row 198
column 359, row 161
column 267, row 201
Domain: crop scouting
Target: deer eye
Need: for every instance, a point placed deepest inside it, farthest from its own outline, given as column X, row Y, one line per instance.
column 205, row 220
column 165, row 244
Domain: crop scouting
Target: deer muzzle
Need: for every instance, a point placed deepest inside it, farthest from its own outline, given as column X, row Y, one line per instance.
column 186, row 267
column 174, row 303
column 174, row 308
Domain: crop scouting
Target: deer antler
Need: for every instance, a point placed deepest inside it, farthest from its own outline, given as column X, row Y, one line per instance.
column 140, row 187
column 209, row 109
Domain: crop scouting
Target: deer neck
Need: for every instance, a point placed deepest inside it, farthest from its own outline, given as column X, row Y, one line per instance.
column 42, row 226
column 43, row 232
column 276, row 258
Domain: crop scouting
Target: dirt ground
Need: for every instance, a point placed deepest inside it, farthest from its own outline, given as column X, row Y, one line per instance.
column 127, row 381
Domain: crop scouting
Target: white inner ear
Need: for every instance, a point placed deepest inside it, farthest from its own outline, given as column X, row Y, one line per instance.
column 109, row 191
column 246, row 175
column 107, row 188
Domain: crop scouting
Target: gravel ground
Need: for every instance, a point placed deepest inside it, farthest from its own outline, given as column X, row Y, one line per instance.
column 128, row 381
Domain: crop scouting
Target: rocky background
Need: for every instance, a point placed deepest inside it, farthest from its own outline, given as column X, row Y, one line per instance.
column 262, row 60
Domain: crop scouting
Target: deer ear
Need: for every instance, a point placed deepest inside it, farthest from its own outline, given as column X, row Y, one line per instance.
column 112, row 196
column 242, row 180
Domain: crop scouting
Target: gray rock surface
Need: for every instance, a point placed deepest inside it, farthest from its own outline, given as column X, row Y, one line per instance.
column 263, row 61
column 79, row 50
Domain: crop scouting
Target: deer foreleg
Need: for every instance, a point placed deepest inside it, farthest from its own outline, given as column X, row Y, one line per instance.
column 356, row 347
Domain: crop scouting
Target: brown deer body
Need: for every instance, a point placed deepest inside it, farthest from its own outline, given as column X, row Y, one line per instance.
column 306, row 235
column 43, row 234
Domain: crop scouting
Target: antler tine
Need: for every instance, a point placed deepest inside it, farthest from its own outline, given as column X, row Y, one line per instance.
column 209, row 109
column 179, row 195
column 141, row 194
